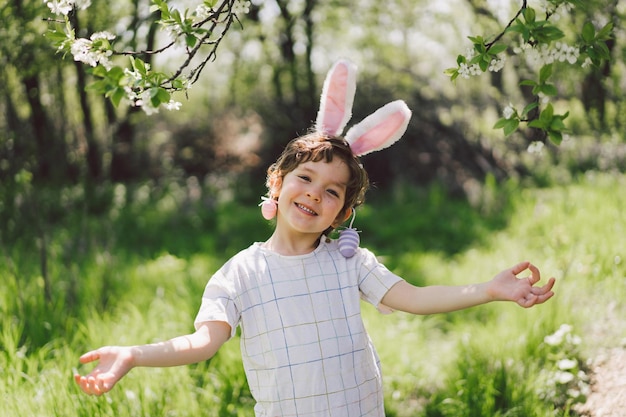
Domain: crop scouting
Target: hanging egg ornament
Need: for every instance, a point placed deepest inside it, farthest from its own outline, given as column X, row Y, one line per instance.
column 349, row 239
column 269, row 206
column 348, row 242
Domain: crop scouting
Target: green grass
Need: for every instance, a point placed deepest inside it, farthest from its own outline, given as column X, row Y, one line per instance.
column 136, row 276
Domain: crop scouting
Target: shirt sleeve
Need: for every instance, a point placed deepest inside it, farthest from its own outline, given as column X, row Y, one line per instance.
column 375, row 280
column 218, row 300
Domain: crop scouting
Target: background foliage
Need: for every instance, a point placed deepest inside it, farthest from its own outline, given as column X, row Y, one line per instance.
column 111, row 220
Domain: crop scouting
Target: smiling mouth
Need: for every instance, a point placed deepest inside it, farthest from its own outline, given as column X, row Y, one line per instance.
column 306, row 209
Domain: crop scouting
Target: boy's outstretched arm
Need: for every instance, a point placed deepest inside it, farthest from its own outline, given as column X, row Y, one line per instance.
column 117, row 361
column 505, row 286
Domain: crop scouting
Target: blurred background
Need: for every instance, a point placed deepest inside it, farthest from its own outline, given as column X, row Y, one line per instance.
column 106, row 212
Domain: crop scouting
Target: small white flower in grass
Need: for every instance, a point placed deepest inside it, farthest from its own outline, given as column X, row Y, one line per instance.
column 131, row 395
column 566, row 364
column 563, row 378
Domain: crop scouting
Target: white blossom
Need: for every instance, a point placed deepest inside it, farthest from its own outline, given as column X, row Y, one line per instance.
column 202, row 12
column 467, row 71
column 241, row 7
column 537, row 148
column 508, row 111
column 173, row 105
column 62, row 7
column 81, row 50
column 496, row 64
column 102, row 35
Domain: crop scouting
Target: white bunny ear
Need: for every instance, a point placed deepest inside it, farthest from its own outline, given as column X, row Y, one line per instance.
column 380, row 129
column 337, row 98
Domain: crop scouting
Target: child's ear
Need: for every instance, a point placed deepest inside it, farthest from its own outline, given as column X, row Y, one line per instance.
column 342, row 217
column 274, row 185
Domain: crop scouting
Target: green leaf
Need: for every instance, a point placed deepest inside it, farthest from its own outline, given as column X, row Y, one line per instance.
column 529, row 108
column 56, row 36
column 476, row 39
column 190, row 40
column 547, row 114
column 556, row 137
column 483, row 64
column 549, row 90
column 501, row 123
column 98, row 87
column 529, row 15
column 496, row 49
column 158, row 95
column 453, row 73
column 115, row 74
column 545, row 73
column 589, row 32
column 606, row 32
column 139, row 66
column 511, row 126
column 537, row 124
column 99, row 71
column 178, row 84
column 508, row 125
column 557, row 124
column 117, row 95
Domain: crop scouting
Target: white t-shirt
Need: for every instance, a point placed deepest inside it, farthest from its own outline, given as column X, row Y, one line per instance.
column 304, row 346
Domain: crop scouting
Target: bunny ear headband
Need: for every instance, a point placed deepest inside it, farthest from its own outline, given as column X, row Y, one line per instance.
column 378, row 131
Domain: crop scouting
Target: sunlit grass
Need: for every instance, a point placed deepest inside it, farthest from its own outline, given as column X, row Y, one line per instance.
column 486, row 361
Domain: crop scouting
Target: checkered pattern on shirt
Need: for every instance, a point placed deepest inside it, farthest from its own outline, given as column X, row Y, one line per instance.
column 305, row 349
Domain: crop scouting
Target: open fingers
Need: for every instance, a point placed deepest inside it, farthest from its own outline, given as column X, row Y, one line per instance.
column 93, row 385
column 520, row 267
column 94, row 355
column 544, row 289
column 535, row 275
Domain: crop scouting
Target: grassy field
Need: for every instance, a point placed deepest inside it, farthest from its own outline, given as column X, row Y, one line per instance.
column 136, row 276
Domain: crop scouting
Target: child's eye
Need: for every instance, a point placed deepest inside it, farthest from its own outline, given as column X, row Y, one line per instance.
column 304, row 177
column 333, row 193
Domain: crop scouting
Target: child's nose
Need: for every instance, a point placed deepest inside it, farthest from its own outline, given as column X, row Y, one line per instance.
column 313, row 194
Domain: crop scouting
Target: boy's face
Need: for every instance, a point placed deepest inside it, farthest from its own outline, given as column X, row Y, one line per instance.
column 311, row 197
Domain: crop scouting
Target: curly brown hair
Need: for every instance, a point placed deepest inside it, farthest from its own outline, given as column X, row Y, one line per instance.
column 317, row 147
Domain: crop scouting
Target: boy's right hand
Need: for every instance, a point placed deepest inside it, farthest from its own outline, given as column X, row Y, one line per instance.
column 114, row 363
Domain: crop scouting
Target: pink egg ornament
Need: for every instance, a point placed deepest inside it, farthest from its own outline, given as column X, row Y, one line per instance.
column 269, row 207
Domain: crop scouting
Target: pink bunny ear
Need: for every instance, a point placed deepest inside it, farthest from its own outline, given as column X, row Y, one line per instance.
column 379, row 130
column 337, row 98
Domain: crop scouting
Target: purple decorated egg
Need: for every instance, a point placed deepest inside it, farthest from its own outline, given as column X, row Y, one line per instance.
column 348, row 242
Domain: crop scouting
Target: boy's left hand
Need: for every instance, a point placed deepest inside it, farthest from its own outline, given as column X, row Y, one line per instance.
column 507, row 287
